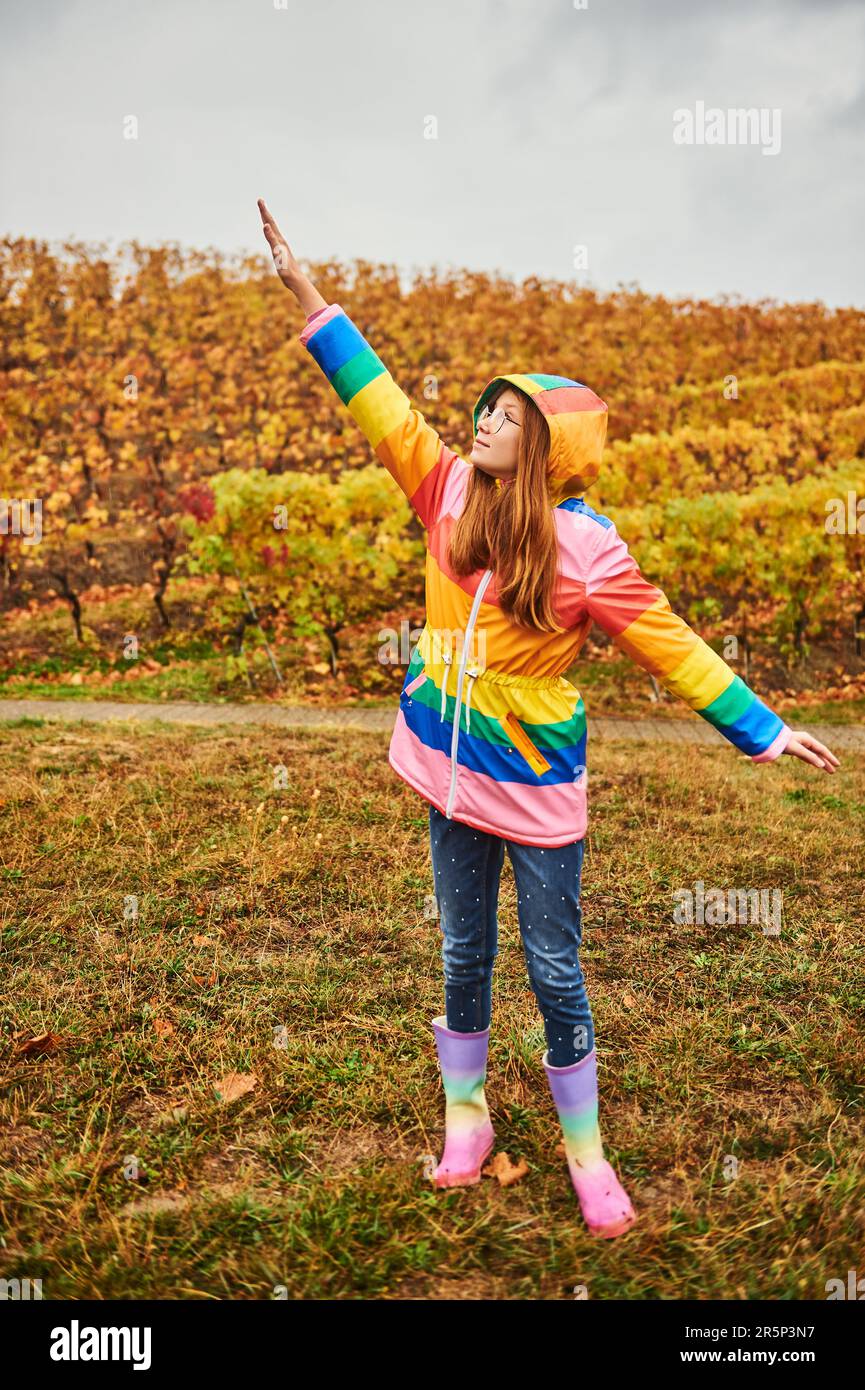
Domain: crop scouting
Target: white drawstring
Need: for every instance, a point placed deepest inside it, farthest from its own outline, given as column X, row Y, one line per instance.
column 472, row 675
column 447, row 658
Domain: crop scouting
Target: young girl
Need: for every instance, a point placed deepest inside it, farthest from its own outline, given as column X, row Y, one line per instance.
column 518, row 569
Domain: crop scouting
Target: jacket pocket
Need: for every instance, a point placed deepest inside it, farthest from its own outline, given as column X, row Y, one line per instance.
column 532, row 754
column 413, row 685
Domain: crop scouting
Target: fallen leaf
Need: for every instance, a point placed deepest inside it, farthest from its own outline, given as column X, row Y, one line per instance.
column 629, row 1001
column 234, row 1085
column 500, row 1167
column 202, row 941
column 39, row 1045
column 163, row 1027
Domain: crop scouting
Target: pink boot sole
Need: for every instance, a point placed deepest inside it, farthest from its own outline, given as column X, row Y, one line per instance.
column 605, row 1204
column 464, row 1169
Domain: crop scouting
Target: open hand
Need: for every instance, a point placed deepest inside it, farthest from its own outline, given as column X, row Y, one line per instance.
column 287, row 267
column 811, row 750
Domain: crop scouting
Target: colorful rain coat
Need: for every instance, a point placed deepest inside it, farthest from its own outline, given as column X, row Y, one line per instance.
column 489, row 730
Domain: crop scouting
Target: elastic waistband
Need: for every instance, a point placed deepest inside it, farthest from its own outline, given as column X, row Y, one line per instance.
column 487, row 674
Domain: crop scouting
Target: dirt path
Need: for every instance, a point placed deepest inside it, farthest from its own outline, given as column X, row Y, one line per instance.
column 695, row 730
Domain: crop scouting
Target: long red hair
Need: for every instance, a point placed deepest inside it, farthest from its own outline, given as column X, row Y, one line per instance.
column 511, row 529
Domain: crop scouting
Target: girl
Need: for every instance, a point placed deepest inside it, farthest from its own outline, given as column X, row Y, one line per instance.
column 518, row 568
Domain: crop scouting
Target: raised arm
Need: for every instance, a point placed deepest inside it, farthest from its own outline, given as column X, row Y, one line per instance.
column 410, row 449
column 638, row 618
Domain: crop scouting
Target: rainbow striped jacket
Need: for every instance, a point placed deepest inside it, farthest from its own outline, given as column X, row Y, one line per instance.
column 489, row 730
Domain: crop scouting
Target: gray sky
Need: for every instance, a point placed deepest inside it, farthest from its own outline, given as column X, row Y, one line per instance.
column 320, row 107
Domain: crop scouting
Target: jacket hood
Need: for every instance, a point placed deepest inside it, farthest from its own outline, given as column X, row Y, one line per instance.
column 577, row 421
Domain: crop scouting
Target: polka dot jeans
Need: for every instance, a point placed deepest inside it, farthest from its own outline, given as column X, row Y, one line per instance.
column 467, row 865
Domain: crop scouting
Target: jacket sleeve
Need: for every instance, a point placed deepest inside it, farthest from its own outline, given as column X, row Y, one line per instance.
column 410, row 449
column 638, row 618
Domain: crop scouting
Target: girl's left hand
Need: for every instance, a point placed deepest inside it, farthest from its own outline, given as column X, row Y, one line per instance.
column 811, row 750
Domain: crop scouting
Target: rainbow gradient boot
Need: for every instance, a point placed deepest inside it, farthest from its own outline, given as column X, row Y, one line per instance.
column 469, row 1134
column 605, row 1205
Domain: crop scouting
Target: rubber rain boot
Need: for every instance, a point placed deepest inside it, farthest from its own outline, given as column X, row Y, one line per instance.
column 605, row 1205
column 469, row 1134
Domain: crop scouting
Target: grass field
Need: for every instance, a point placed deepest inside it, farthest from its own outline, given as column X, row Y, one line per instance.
column 280, row 933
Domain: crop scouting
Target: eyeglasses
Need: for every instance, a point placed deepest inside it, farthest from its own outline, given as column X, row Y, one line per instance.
column 496, row 418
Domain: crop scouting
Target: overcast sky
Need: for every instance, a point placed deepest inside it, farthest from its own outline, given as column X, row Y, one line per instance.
column 554, row 129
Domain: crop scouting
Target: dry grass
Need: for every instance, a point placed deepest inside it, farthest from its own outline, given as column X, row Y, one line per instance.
column 713, row 1041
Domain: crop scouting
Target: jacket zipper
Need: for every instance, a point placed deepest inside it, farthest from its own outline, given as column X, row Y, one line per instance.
column 481, row 590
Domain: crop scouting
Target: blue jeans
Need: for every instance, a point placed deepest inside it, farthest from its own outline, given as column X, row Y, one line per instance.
column 467, row 865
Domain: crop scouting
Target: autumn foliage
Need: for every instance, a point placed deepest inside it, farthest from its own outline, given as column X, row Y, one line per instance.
column 162, row 408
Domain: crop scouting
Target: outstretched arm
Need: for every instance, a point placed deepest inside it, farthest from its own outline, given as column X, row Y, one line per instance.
column 410, row 449
column 638, row 618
